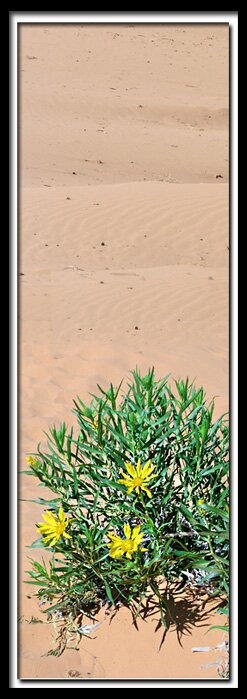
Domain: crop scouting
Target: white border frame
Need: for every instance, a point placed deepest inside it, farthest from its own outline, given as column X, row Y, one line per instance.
column 16, row 18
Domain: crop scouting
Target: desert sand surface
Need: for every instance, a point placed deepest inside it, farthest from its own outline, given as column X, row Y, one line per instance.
column 123, row 262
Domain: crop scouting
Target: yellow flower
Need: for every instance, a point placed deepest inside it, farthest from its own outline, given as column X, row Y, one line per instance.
column 30, row 460
column 138, row 477
column 200, row 502
column 129, row 545
column 54, row 527
column 95, row 424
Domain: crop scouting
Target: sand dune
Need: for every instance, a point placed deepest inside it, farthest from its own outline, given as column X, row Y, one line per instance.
column 123, row 260
column 123, row 106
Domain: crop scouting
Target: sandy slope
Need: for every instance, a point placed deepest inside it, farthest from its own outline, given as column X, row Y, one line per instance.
column 123, row 263
column 114, row 104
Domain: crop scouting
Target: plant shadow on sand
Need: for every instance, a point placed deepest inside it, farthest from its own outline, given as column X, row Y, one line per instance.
column 183, row 609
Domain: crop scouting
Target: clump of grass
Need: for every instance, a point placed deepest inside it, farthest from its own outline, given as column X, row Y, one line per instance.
column 140, row 494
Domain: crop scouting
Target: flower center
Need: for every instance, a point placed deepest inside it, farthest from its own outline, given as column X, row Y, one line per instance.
column 138, row 481
column 60, row 528
column 128, row 545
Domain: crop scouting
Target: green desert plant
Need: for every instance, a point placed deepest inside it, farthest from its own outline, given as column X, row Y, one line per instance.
column 141, row 495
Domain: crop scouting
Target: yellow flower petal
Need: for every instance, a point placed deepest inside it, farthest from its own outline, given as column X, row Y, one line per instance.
column 131, row 469
column 135, row 545
column 116, row 552
column 139, row 468
column 127, row 531
column 49, row 518
column 149, row 478
column 115, row 540
column 147, row 491
column 31, row 460
column 49, row 538
column 138, row 538
column 147, row 469
column 126, row 481
column 136, row 531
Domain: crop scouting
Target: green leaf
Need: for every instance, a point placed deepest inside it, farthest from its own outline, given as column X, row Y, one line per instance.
column 216, row 626
column 37, row 544
column 108, row 590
